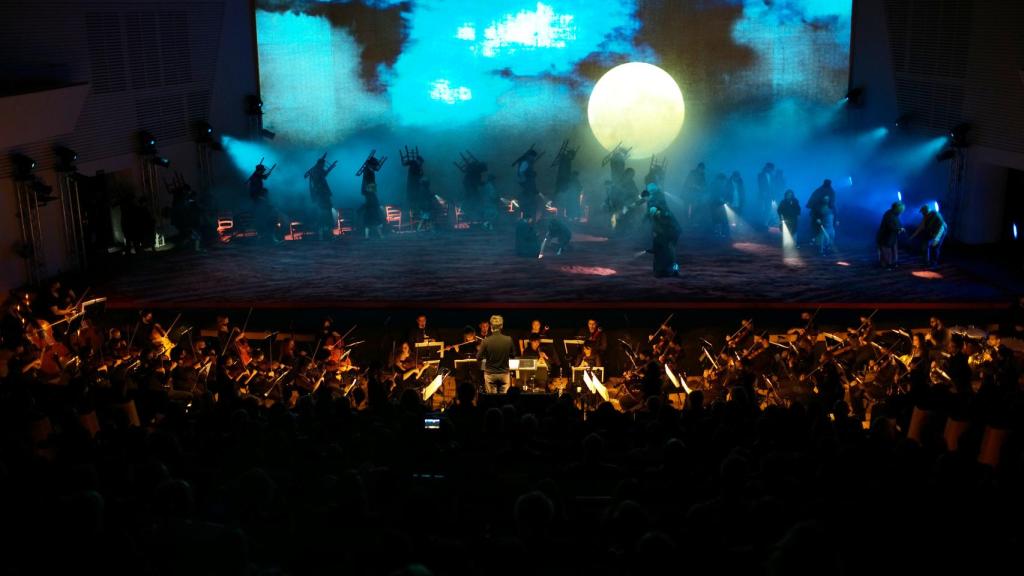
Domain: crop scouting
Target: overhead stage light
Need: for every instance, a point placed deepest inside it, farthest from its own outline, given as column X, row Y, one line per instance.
column 161, row 161
column 855, row 97
column 903, row 121
column 66, row 159
column 253, row 105
column 958, row 135
column 23, row 166
column 147, row 143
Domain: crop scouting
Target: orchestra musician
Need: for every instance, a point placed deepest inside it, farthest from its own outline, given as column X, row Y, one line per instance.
column 588, row 357
column 405, row 366
column 534, row 350
column 468, row 346
column 418, row 333
column 55, row 304
column 937, row 335
column 594, row 336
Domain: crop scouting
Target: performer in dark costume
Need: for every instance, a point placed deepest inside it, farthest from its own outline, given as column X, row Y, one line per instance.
column 814, row 205
column 665, row 232
column 320, row 194
column 526, row 176
column 558, row 234
column 888, row 235
column 527, row 242
column 264, row 214
column 473, row 202
column 412, row 160
column 717, row 200
column 737, row 193
column 371, row 209
column 825, row 222
column 766, row 193
column 932, row 231
column 564, row 177
column 257, row 191
column 693, row 190
column 789, row 213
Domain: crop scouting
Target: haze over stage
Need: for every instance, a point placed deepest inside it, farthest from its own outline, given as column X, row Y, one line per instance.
column 466, row 268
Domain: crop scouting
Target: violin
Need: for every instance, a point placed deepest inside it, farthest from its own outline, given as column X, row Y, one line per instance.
column 738, row 336
column 243, row 350
column 53, row 354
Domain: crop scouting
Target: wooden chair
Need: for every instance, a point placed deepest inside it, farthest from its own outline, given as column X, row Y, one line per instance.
column 342, row 226
column 393, row 217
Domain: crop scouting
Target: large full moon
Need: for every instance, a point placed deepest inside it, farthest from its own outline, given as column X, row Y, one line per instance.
column 639, row 105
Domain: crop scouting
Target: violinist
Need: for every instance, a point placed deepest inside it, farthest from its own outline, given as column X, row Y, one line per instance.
column 55, row 303
column 594, row 336
column 826, row 380
column 757, row 357
column 288, row 356
column 405, row 367
column 224, row 331
column 737, row 339
column 662, row 337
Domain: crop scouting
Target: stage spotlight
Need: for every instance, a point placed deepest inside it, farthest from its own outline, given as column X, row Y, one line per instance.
column 202, row 131
column 899, row 195
column 147, row 143
column 66, row 158
column 958, row 135
column 160, row 161
column 267, row 134
column 23, row 166
column 947, row 154
column 855, row 97
column 903, row 121
column 1014, row 230
column 253, row 105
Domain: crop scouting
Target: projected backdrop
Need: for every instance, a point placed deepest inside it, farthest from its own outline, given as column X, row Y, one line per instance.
column 334, row 70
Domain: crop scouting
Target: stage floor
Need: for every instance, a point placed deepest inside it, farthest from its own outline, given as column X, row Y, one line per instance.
column 469, row 268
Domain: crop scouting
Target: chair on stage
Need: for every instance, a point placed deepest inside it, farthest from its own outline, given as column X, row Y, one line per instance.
column 341, row 225
column 393, row 217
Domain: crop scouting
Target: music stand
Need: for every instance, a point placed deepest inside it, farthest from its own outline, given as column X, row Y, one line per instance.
column 577, row 374
column 526, row 368
column 434, row 385
column 572, row 348
column 468, row 370
column 428, row 351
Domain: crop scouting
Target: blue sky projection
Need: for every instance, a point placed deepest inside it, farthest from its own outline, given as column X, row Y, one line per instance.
column 470, row 63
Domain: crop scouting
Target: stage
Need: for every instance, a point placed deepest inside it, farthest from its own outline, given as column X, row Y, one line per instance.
column 467, row 268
